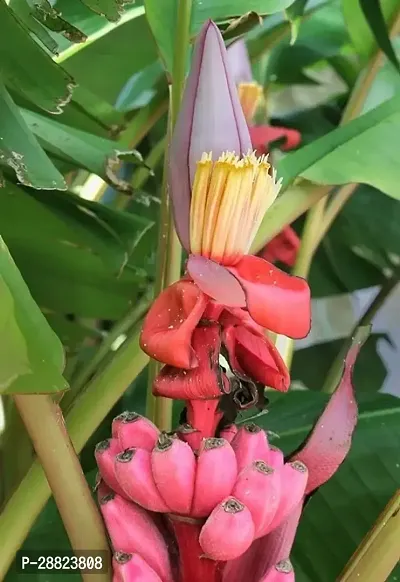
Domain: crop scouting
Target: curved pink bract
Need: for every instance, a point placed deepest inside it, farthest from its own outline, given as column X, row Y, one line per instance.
column 168, row 327
column 275, row 300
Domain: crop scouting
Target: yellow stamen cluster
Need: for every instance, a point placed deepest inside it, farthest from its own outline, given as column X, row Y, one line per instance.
column 250, row 96
column 229, row 200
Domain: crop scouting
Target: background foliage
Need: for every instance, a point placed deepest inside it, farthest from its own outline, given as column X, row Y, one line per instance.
column 83, row 106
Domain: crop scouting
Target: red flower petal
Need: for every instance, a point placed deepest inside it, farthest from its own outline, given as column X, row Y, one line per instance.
column 216, row 281
column 328, row 444
column 205, row 381
column 257, row 357
column 275, row 300
column 283, row 247
column 262, row 135
column 168, row 327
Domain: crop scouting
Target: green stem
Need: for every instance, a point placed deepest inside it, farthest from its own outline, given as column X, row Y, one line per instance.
column 85, row 415
column 161, row 265
column 379, row 552
column 184, row 15
column 333, row 377
column 310, row 233
column 303, row 264
column 334, row 207
column 169, row 249
column 45, row 424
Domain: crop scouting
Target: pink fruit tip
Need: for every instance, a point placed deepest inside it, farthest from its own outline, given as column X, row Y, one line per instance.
column 262, row 467
column 252, row 428
column 126, row 455
column 106, row 498
column 232, row 505
column 103, row 446
column 186, row 428
column 284, row 567
column 122, row 557
column 164, row 442
column 213, row 443
column 299, row 466
column 127, row 417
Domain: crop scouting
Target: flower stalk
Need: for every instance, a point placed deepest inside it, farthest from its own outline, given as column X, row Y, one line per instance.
column 45, row 424
column 169, row 249
column 193, row 565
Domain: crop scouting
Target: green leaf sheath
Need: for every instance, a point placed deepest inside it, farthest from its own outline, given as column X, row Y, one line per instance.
column 31, row 355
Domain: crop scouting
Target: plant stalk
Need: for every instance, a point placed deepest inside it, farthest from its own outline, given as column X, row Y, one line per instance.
column 333, row 377
column 161, row 266
column 334, row 207
column 379, row 552
column 310, row 233
column 172, row 254
column 45, row 424
column 193, row 566
column 85, row 415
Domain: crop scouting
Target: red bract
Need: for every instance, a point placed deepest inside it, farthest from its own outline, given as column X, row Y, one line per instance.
column 251, row 354
column 168, row 328
column 263, row 135
column 204, row 381
column 330, row 441
column 283, row 247
column 275, row 300
column 257, row 357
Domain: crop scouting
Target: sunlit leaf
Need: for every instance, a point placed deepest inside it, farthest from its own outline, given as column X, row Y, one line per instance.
column 38, row 77
column 294, row 14
column 128, row 43
column 38, row 15
column 376, row 20
column 349, row 153
column 362, row 36
column 20, row 150
column 111, row 9
column 96, row 154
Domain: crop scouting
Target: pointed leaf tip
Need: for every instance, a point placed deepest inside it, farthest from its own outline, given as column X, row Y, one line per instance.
column 330, row 440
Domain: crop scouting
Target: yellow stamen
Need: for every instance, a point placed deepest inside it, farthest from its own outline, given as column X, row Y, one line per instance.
column 250, row 96
column 229, row 199
column 197, row 210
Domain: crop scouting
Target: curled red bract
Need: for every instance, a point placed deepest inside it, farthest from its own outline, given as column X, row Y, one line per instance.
column 168, row 327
